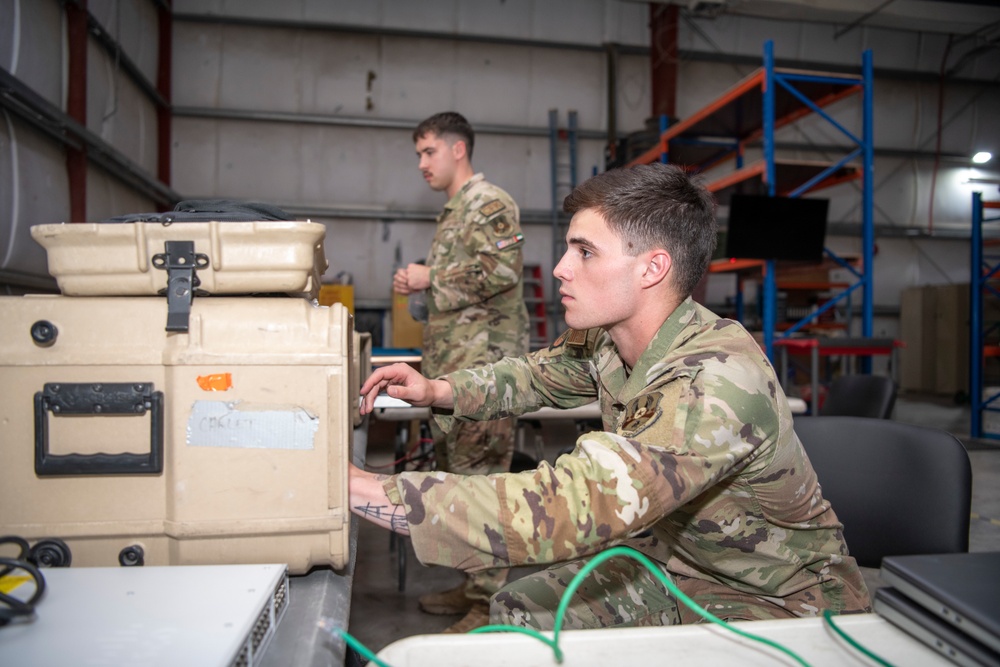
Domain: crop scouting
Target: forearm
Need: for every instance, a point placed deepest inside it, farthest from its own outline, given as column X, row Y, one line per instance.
column 579, row 506
column 369, row 500
column 515, row 385
column 444, row 395
column 459, row 286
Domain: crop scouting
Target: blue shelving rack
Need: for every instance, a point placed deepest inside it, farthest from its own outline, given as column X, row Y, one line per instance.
column 753, row 110
column 865, row 149
column 984, row 272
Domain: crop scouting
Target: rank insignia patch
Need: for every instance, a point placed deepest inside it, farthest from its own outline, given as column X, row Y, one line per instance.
column 576, row 337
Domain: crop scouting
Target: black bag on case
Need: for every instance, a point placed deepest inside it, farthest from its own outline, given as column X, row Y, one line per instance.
column 208, row 210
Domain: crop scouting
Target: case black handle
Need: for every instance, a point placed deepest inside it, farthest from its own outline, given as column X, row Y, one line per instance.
column 98, row 398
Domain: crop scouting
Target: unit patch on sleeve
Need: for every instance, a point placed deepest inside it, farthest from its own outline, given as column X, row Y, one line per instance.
column 640, row 414
column 500, row 225
column 513, row 240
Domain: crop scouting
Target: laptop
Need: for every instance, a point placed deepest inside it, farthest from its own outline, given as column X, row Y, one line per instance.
column 943, row 594
column 929, row 629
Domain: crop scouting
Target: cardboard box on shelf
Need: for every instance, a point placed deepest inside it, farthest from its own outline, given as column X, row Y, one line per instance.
column 917, row 330
column 934, row 326
column 406, row 331
column 951, row 352
column 330, row 294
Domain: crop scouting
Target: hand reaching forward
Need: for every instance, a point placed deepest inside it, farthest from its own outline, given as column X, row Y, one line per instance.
column 405, row 383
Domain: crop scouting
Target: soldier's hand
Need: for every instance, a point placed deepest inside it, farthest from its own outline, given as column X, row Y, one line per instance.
column 405, row 383
column 418, row 277
column 400, row 282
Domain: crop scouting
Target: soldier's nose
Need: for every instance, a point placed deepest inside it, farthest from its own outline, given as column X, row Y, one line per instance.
column 561, row 272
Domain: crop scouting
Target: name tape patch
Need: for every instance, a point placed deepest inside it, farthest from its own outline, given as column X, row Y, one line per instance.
column 492, row 207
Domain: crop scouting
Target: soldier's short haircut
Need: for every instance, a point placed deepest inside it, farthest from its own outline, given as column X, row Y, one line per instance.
column 655, row 206
column 444, row 123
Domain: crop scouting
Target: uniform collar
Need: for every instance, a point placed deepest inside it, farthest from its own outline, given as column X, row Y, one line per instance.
column 455, row 201
column 651, row 363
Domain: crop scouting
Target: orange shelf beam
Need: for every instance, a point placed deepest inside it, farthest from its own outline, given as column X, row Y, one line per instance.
column 753, row 82
column 816, row 286
column 734, row 264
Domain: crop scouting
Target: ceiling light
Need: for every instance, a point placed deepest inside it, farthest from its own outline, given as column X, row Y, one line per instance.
column 982, row 157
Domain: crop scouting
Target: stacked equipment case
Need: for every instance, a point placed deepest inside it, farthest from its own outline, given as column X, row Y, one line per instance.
column 179, row 427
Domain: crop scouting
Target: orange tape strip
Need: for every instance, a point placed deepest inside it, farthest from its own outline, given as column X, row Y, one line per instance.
column 215, row 382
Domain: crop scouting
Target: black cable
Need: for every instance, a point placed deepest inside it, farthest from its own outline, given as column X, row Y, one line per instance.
column 12, row 607
column 22, row 545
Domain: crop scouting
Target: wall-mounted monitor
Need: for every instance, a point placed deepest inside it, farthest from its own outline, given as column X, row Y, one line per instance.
column 762, row 227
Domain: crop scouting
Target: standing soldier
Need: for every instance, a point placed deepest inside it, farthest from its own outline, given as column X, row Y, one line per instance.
column 475, row 315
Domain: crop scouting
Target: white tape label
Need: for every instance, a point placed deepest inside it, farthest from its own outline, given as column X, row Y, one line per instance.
column 231, row 424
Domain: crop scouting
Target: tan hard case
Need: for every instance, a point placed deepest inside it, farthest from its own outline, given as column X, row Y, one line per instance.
column 121, row 259
column 360, row 369
column 253, row 403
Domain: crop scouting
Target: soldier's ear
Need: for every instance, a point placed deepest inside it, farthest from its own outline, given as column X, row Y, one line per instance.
column 459, row 150
column 658, row 263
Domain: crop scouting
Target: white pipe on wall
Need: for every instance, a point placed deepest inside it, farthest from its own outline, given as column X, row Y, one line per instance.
column 15, row 186
column 15, row 190
column 15, row 42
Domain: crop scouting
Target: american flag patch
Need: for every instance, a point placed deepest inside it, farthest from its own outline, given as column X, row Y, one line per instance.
column 516, row 238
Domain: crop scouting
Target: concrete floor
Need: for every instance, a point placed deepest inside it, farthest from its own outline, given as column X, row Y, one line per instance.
column 381, row 614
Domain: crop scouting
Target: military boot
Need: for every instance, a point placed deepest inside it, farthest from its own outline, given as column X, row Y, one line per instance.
column 478, row 616
column 446, row 602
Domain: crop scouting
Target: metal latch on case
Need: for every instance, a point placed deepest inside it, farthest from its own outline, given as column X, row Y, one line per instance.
column 181, row 263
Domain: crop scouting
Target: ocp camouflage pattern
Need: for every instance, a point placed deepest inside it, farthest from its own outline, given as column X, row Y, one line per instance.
column 476, row 311
column 698, row 467
column 476, row 315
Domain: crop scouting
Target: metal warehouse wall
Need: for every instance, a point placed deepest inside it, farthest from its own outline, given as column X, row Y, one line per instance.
column 320, row 118
column 310, row 104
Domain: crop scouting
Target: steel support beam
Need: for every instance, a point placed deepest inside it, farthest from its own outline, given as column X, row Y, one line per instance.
column 543, row 217
column 611, row 67
column 512, row 130
column 379, row 31
column 622, row 49
column 663, row 21
column 44, row 116
column 76, row 104
column 122, row 59
column 349, row 121
column 164, row 68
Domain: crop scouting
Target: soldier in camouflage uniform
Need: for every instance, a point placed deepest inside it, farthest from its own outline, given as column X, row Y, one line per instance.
column 475, row 315
column 698, row 465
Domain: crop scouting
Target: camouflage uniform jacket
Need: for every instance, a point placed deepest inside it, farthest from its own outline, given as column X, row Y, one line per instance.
column 476, row 311
column 698, row 449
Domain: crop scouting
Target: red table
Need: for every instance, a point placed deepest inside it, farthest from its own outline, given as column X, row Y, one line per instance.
column 854, row 347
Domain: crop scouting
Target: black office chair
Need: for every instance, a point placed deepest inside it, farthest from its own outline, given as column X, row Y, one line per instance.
column 860, row 396
column 897, row 488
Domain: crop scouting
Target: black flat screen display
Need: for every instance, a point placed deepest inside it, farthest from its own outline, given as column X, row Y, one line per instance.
column 762, row 227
